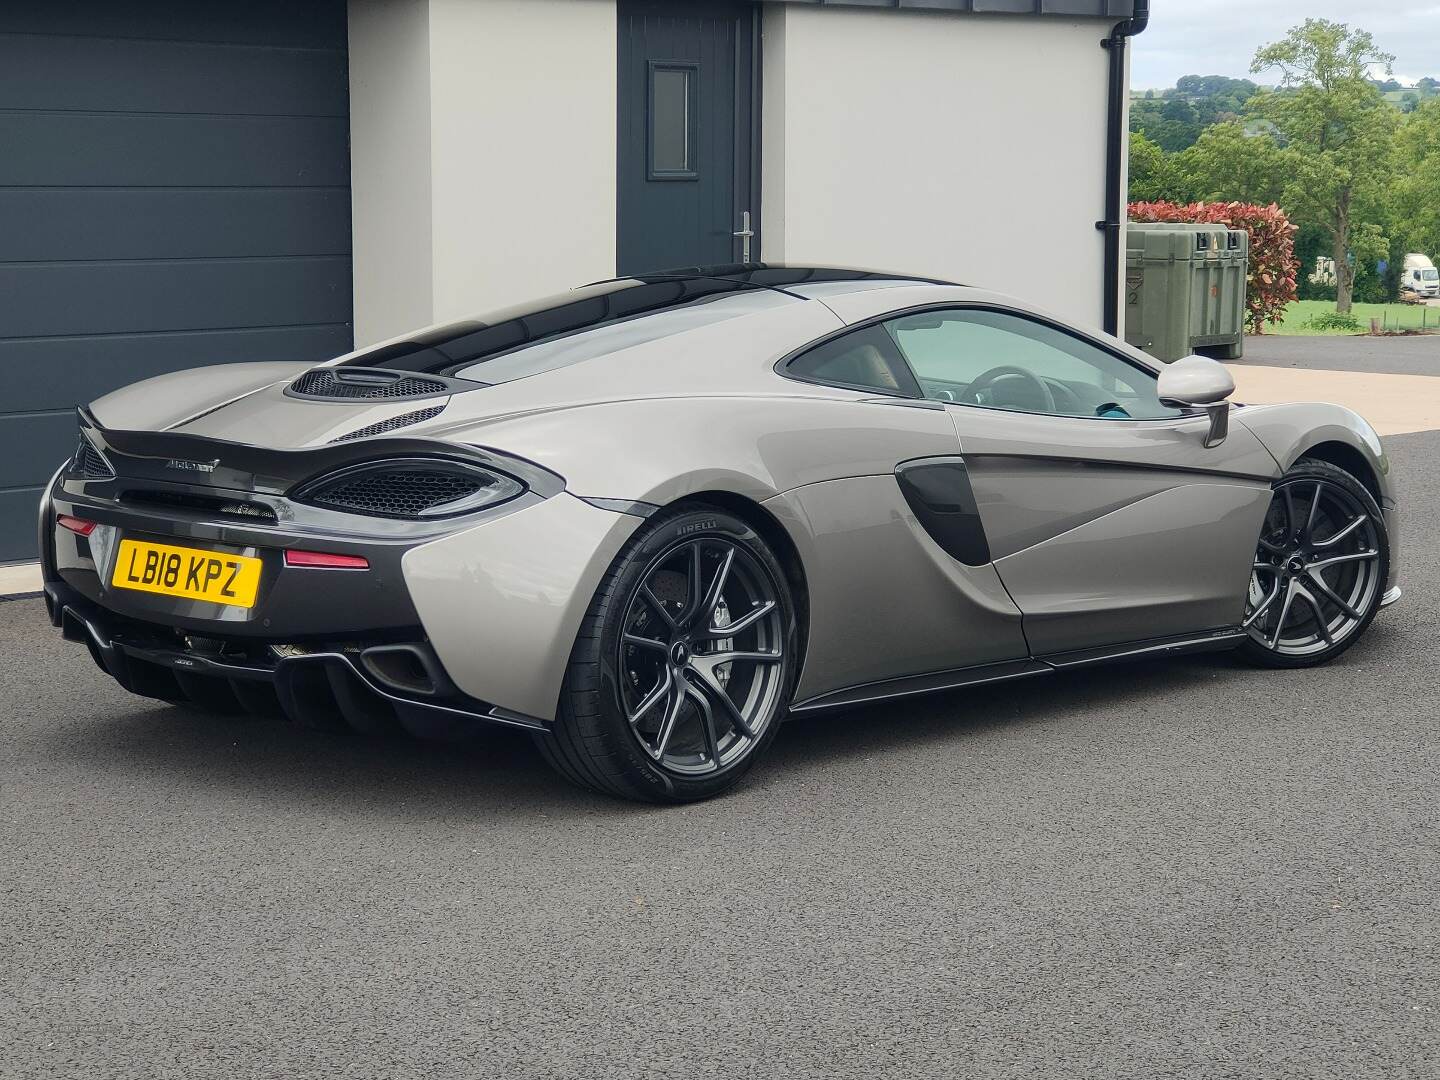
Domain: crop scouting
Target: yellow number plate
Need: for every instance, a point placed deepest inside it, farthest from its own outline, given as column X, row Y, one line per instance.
column 187, row 572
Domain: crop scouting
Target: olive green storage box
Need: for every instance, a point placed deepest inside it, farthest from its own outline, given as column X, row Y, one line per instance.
column 1185, row 289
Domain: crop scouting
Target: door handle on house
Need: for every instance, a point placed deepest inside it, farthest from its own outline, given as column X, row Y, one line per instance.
column 745, row 234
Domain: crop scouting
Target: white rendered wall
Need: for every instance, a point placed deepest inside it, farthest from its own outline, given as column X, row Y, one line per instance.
column 390, row 166
column 523, row 136
column 969, row 147
column 495, row 181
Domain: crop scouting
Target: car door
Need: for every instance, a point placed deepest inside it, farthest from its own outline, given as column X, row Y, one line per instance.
column 1108, row 520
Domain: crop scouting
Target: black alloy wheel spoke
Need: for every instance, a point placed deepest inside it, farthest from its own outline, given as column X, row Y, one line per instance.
column 656, row 605
column 705, row 685
column 675, row 702
column 1284, row 614
column 646, row 643
column 743, row 623
column 1315, row 577
column 1309, row 532
column 1337, row 560
column 707, row 728
column 1322, row 621
column 1290, row 525
column 660, row 693
column 1261, row 608
column 705, row 617
column 1342, row 533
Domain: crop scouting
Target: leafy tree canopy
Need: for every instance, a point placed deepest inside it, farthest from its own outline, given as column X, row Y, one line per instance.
column 1338, row 132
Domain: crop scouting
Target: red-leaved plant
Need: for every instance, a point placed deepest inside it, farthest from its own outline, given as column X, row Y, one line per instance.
column 1271, row 285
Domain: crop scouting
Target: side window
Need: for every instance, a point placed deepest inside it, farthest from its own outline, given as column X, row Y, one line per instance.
column 1001, row 361
column 864, row 360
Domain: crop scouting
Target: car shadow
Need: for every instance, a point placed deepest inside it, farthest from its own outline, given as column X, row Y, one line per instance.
column 499, row 772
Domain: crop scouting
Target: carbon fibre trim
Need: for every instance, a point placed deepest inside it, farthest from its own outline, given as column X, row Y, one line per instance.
column 313, row 689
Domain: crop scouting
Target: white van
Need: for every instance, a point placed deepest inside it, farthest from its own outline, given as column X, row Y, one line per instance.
column 1420, row 276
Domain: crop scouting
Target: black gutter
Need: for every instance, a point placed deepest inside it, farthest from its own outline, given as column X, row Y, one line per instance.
column 1115, row 197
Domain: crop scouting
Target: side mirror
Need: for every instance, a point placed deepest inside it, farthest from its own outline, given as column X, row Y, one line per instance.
column 1198, row 381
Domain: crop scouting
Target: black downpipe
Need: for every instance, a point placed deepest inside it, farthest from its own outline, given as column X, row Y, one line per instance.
column 1115, row 201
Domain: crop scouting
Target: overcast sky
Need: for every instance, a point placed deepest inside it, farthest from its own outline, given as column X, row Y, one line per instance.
column 1219, row 37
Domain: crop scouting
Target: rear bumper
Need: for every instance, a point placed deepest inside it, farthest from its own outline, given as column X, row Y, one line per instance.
column 368, row 686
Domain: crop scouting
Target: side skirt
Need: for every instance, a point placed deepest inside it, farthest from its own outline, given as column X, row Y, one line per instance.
column 956, row 678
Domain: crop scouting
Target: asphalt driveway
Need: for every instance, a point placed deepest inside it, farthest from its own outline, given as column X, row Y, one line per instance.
column 1184, row 868
column 1411, row 354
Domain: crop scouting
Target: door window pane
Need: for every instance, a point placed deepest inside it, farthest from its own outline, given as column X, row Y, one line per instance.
column 1001, row 361
column 672, row 137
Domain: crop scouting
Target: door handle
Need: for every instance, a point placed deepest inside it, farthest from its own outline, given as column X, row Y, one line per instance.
column 744, row 234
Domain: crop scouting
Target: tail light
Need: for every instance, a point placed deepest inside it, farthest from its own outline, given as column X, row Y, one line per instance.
column 79, row 526
column 325, row 560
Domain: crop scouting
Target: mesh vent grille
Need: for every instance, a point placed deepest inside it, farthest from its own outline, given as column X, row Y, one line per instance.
column 399, row 492
column 90, row 464
column 395, row 422
column 323, row 383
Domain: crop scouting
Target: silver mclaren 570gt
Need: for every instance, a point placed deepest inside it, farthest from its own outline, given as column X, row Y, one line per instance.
column 648, row 519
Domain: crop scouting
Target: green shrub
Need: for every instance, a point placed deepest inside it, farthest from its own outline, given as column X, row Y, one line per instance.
column 1334, row 320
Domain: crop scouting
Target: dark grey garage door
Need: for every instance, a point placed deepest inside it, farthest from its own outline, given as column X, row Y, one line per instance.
column 174, row 191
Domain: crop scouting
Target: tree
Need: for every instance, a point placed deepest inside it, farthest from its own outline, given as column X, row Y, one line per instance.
column 1417, row 178
column 1339, row 129
column 1152, row 173
column 1227, row 165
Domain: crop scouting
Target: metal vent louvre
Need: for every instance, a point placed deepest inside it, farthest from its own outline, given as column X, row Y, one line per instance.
column 90, row 463
column 323, row 383
column 402, row 491
column 403, row 420
column 257, row 513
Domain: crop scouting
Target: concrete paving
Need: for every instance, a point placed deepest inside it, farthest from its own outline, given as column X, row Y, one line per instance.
column 1168, row 869
column 1394, row 382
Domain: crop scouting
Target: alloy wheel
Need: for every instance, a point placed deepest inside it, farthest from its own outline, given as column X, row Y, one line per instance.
column 700, row 664
column 1316, row 574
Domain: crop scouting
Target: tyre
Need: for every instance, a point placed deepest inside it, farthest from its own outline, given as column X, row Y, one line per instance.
column 683, row 666
column 1319, row 570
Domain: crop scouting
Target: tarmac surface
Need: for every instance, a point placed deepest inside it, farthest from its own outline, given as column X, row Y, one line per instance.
column 1184, row 868
column 1409, row 354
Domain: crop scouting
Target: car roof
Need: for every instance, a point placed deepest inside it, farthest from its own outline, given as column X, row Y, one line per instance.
column 787, row 277
column 597, row 319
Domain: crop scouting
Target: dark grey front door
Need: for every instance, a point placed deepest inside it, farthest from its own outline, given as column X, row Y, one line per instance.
column 686, row 134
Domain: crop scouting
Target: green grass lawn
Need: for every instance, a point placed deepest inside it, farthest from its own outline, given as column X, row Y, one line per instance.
column 1395, row 316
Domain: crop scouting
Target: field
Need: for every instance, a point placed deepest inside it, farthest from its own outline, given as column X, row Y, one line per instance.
column 1394, row 316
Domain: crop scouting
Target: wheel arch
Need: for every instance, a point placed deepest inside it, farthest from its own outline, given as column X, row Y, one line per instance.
column 1344, row 456
column 1326, row 432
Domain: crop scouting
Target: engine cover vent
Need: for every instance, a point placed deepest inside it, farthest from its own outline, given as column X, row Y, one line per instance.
column 394, row 423
column 90, row 464
column 364, row 384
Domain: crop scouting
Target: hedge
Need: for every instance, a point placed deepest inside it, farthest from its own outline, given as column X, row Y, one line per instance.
column 1270, row 287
